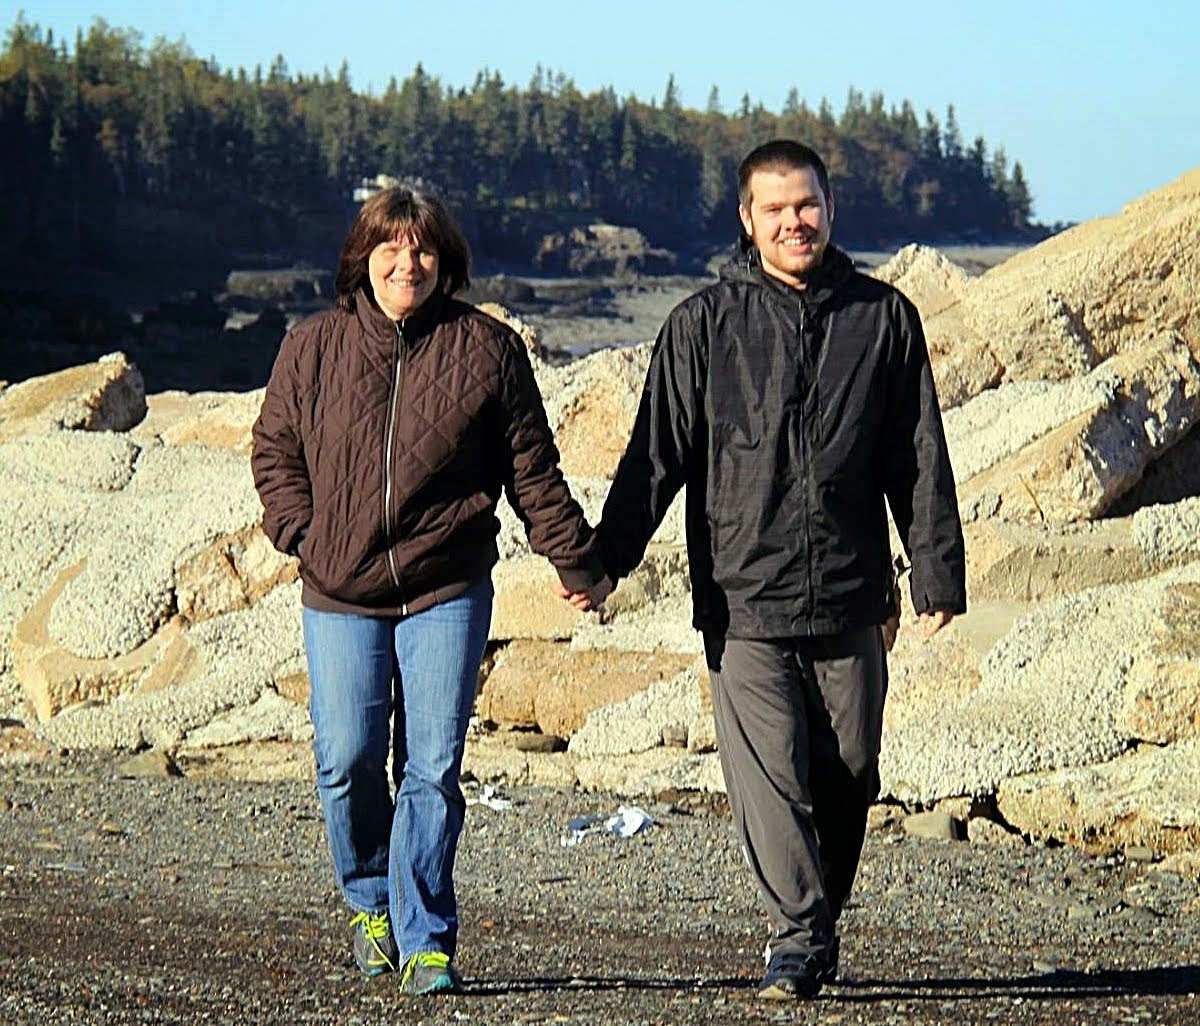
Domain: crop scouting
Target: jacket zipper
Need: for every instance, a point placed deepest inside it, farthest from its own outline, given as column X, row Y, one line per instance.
column 388, row 450
column 810, row 383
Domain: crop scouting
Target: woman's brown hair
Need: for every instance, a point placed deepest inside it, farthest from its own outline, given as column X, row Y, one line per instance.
column 397, row 213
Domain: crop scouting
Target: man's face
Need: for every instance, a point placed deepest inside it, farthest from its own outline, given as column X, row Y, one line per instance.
column 789, row 221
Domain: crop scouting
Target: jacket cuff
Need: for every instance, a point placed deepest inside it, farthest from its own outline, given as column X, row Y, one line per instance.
column 955, row 606
column 582, row 578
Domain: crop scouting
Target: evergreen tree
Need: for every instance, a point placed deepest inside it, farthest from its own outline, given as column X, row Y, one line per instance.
column 1020, row 201
column 88, row 126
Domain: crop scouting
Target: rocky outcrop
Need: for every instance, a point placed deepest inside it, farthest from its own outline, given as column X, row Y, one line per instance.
column 932, row 282
column 528, row 334
column 553, row 687
column 591, row 405
column 289, row 286
column 1139, row 404
column 601, row 250
column 1077, row 299
column 108, row 395
column 1146, row 798
column 217, row 420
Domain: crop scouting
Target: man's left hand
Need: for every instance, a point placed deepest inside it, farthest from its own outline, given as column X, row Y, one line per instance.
column 586, row 601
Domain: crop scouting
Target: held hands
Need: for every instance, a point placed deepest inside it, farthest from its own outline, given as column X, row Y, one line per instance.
column 586, row 601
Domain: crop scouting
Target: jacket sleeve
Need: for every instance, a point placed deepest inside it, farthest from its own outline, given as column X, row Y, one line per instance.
column 660, row 451
column 918, row 478
column 536, row 488
column 277, row 458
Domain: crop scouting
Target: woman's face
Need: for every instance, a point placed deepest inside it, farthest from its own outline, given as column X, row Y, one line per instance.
column 403, row 275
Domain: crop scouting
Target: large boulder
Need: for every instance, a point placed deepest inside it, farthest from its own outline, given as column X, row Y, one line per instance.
column 1080, row 297
column 1036, row 563
column 218, row 420
column 108, row 395
column 113, row 547
column 591, row 404
column 1051, row 693
column 601, row 249
column 926, row 277
column 528, row 333
column 553, row 687
column 293, row 286
column 673, row 711
column 1144, row 798
column 1147, row 399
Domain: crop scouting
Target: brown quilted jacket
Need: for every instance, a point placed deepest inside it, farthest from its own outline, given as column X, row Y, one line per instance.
column 382, row 449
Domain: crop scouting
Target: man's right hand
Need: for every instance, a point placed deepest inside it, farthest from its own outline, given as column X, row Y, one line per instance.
column 933, row 621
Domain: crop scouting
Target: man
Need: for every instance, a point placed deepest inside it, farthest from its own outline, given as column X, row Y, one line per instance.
column 793, row 399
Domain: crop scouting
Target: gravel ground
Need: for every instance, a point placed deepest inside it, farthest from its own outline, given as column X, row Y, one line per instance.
column 203, row 901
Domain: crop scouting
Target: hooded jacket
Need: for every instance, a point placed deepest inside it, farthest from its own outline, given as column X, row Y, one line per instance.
column 382, row 449
column 795, row 419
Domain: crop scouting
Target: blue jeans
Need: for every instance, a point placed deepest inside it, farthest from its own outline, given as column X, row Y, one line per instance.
column 396, row 854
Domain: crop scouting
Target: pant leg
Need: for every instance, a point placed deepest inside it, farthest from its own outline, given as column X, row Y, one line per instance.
column 438, row 651
column 762, row 720
column 847, row 725
column 350, row 670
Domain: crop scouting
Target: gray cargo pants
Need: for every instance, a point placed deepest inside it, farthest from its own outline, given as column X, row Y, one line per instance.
column 798, row 724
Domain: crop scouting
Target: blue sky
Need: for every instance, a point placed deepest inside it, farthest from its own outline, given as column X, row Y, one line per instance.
column 1099, row 101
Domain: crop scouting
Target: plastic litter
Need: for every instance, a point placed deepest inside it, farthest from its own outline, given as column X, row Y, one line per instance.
column 489, row 799
column 628, row 821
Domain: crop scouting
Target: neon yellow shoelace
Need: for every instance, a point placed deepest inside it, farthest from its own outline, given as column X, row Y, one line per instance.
column 375, row 926
column 424, row 960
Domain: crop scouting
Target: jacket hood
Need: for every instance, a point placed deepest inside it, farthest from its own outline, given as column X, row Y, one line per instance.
column 745, row 265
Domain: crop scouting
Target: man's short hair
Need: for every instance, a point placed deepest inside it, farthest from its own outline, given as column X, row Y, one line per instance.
column 780, row 155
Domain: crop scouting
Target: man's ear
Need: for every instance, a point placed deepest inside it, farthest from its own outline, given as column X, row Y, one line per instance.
column 747, row 224
column 829, row 204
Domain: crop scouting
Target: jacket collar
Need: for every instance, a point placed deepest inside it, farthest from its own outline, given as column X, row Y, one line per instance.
column 835, row 268
column 417, row 324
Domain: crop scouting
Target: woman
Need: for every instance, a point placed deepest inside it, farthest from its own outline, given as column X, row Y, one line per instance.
column 389, row 428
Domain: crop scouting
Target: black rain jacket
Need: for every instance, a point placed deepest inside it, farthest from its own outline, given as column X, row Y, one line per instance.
column 791, row 416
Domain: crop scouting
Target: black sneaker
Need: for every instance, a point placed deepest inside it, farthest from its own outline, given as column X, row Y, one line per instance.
column 375, row 949
column 792, row 977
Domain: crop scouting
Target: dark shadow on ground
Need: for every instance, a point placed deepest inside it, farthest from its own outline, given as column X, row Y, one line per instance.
column 1164, row 981
column 1062, row 983
column 533, row 984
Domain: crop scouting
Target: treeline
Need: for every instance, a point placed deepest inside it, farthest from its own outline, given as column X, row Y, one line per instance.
column 108, row 119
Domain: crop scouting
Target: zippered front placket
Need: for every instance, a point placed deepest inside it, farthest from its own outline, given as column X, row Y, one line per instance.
column 806, row 450
column 388, row 451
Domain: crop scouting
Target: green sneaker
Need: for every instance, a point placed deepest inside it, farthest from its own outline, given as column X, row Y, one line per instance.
column 430, row 972
column 374, row 947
